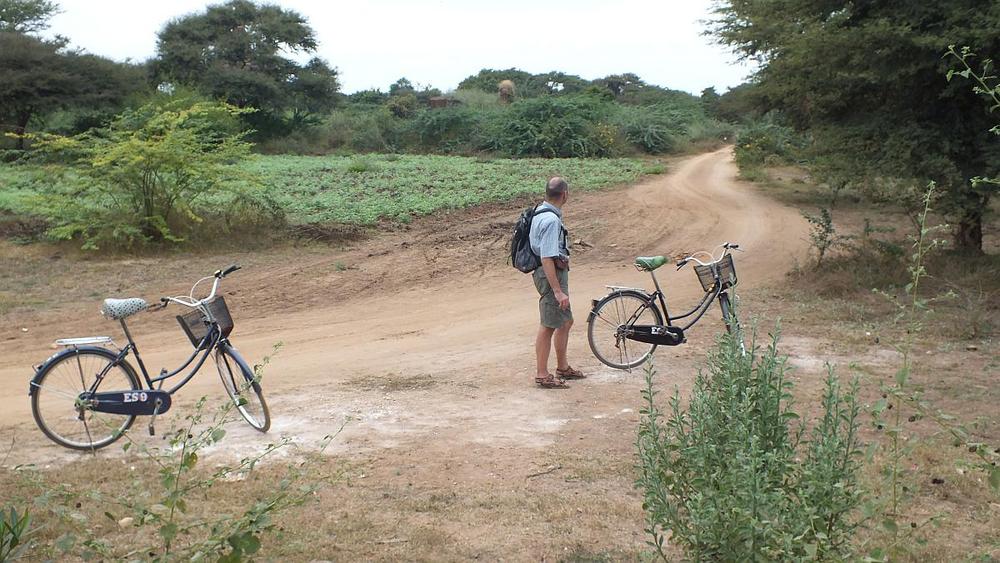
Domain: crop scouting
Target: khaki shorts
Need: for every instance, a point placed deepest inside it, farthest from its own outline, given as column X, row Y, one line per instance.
column 548, row 308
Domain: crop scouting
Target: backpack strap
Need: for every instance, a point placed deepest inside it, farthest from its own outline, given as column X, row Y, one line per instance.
column 565, row 233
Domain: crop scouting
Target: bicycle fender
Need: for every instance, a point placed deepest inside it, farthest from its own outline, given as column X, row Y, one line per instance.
column 238, row 358
column 41, row 369
column 640, row 293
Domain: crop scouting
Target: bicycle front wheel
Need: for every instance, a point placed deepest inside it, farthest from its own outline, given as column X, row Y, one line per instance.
column 242, row 387
column 65, row 417
column 608, row 322
column 732, row 323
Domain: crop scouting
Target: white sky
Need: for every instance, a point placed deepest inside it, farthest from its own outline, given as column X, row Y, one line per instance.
column 440, row 42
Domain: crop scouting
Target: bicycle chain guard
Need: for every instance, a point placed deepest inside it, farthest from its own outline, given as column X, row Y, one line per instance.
column 660, row 335
column 135, row 402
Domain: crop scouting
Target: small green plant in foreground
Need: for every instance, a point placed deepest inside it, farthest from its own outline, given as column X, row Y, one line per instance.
column 14, row 533
column 903, row 403
column 728, row 478
column 823, row 235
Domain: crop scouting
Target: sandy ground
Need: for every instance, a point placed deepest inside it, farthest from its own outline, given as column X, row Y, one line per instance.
column 455, row 330
column 421, row 339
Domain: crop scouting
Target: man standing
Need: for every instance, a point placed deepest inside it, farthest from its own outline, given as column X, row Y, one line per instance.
column 548, row 240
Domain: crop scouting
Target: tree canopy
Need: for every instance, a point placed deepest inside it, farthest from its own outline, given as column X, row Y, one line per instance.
column 39, row 77
column 26, row 16
column 236, row 52
column 868, row 80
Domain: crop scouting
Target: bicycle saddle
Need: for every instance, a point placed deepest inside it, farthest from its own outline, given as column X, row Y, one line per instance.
column 117, row 309
column 650, row 263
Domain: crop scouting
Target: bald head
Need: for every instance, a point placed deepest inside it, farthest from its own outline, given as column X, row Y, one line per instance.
column 555, row 188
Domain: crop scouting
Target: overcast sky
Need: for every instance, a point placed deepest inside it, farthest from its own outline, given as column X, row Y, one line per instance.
column 440, row 42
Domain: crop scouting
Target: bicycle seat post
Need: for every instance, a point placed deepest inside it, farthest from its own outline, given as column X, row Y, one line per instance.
column 135, row 349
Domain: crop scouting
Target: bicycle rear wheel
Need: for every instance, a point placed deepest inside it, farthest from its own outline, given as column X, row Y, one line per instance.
column 242, row 387
column 607, row 324
column 60, row 412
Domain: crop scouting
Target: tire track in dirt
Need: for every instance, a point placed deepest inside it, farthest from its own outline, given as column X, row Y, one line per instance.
column 449, row 362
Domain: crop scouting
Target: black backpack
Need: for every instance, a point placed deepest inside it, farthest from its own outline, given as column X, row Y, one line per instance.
column 521, row 255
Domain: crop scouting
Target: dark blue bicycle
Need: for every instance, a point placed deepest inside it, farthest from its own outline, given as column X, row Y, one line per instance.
column 625, row 326
column 86, row 396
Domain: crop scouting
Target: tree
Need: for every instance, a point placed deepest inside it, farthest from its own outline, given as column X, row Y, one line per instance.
column 234, row 51
column 401, row 86
column 26, row 16
column 867, row 79
column 39, row 77
column 144, row 177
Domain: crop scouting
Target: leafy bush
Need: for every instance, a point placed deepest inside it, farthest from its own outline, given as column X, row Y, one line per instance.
column 447, row 130
column 732, row 481
column 765, row 141
column 403, row 105
column 652, row 129
column 146, row 177
column 565, row 126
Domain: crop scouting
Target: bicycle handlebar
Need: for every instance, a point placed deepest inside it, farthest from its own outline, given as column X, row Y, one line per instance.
column 726, row 247
column 223, row 273
column 189, row 300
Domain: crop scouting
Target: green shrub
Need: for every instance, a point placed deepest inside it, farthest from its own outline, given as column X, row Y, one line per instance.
column 652, row 129
column 446, row 130
column 765, row 141
column 361, row 165
column 728, row 477
column 551, row 126
column 403, row 105
column 146, row 177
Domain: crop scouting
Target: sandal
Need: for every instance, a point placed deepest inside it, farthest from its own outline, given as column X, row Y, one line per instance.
column 551, row 382
column 570, row 373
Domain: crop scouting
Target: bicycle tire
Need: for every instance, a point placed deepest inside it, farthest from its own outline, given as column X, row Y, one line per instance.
column 55, row 388
column 641, row 303
column 243, row 389
column 732, row 323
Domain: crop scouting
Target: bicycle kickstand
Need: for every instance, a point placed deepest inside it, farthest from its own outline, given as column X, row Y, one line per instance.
column 152, row 419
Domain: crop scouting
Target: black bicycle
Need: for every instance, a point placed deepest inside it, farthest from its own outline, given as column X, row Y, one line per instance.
column 86, row 396
column 625, row 327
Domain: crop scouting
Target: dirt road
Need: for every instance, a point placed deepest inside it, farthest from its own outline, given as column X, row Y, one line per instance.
column 427, row 337
column 421, row 339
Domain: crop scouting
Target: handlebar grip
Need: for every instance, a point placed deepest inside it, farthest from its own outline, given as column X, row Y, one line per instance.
column 682, row 263
column 227, row 271
column 164, row 300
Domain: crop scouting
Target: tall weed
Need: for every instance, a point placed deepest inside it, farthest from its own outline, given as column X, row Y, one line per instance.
column 729, row 478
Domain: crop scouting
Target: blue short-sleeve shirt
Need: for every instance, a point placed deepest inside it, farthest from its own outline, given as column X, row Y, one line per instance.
column 546, row 235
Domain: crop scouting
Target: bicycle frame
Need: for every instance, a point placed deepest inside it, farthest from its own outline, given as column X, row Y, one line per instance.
column 701, row 308
column 207, row 345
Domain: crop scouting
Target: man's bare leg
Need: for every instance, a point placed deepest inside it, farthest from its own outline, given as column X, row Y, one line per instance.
column 561, row 343
column 543, row 343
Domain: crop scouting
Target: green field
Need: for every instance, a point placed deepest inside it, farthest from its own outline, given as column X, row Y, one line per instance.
column 364, row 189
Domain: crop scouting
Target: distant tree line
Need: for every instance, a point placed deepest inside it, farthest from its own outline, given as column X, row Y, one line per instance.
column 239, row 52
